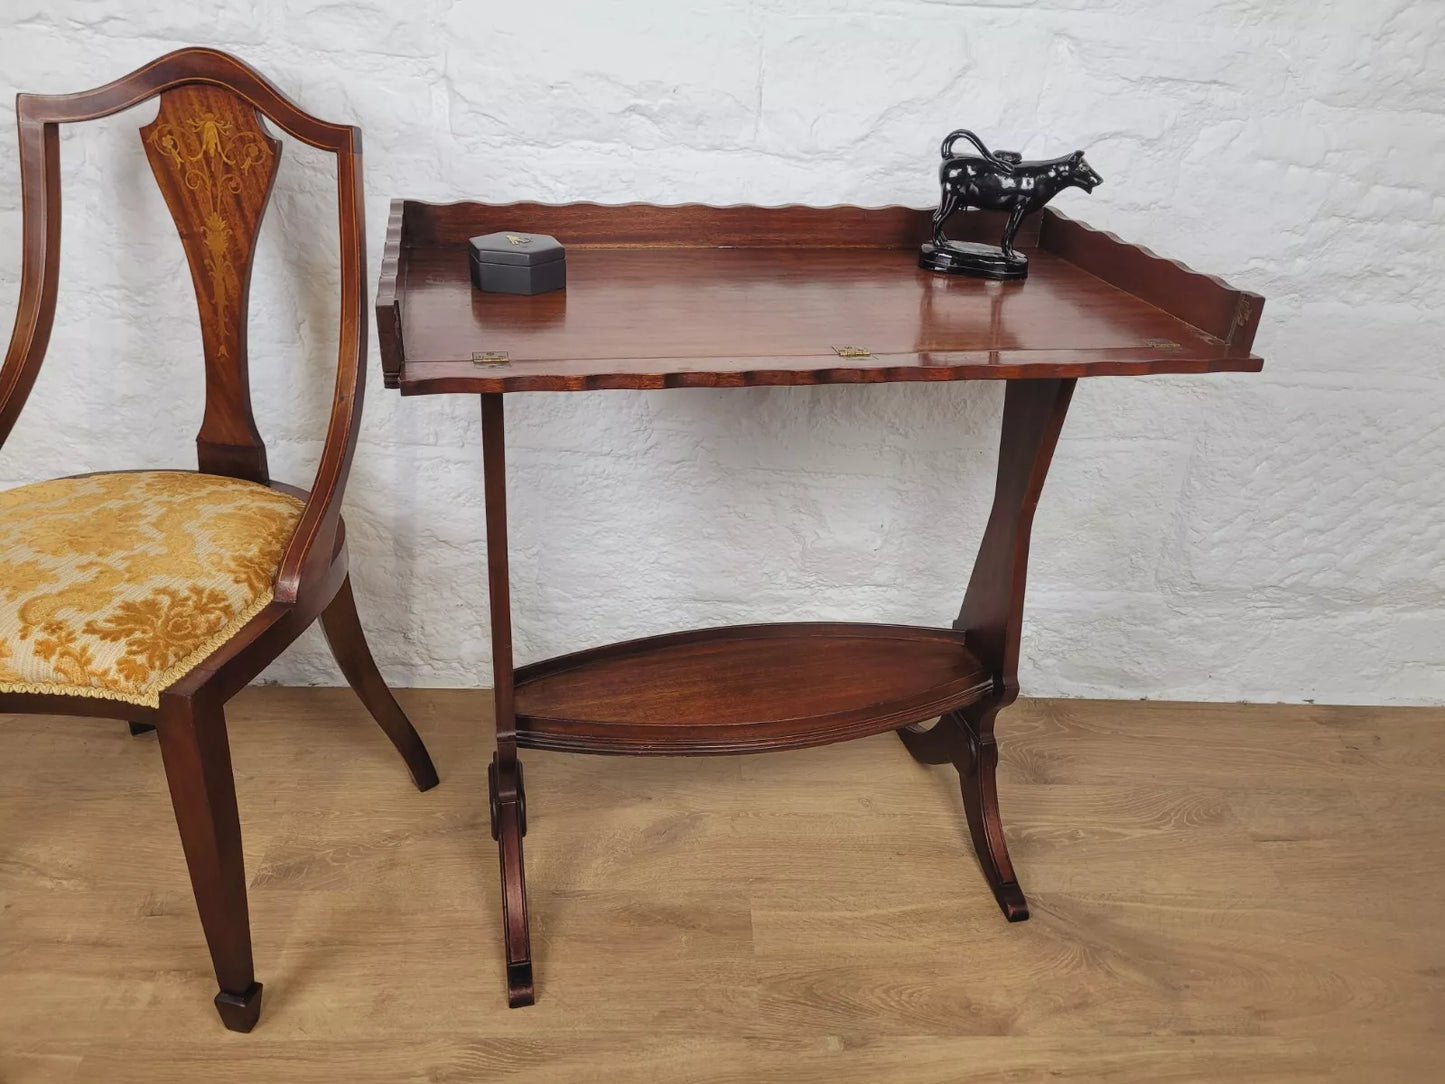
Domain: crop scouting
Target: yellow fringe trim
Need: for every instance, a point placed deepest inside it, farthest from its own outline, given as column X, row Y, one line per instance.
column 150, row 696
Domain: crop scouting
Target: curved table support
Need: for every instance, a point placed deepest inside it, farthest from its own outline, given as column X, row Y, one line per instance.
column 504, row 777
column 992, row 616
column 991, row 619
column 930, row 745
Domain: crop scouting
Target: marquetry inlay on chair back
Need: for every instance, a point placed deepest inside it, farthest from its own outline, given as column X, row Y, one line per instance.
column 215, row 162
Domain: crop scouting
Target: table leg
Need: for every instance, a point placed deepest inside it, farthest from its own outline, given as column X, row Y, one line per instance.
column 992, row 616
column 508, row 798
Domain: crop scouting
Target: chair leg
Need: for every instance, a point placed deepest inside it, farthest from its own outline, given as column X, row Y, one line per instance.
column 197, row 760
column 348, row 643
column 137, row 729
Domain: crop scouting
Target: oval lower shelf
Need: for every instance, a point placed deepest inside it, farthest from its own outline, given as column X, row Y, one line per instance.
column 746, row 688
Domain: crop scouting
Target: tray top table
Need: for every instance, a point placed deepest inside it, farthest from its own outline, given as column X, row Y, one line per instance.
column 693, row 296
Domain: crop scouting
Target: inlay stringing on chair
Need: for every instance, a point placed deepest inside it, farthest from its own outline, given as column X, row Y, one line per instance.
column 155, row 596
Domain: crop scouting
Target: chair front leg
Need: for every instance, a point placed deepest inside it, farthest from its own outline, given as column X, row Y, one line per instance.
column 197, row 757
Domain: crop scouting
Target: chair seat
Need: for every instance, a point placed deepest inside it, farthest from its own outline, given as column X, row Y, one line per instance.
column 118, row 585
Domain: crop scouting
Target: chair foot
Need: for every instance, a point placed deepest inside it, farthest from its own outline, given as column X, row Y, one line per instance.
column 520, row 992
column 348, row 643
column 1011, row 901
column 137, row 729
column 239, row 1012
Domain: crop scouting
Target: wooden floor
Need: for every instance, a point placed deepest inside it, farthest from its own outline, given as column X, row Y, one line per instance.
column 1219, row 893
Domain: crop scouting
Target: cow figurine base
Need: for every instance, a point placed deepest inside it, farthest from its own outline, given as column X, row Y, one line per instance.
column 972, row 258
column 995, row 181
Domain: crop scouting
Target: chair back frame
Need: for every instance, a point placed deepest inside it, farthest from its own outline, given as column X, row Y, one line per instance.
column 215, row 164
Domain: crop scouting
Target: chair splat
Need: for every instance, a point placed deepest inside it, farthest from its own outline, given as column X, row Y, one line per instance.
column 216, row 164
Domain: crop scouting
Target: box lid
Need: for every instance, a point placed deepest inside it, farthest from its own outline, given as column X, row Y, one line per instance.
column 518, row 249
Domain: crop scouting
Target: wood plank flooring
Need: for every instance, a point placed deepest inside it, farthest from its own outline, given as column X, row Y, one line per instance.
column 1220, row 893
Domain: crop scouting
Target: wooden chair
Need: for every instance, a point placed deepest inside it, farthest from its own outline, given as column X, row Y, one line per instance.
column 155, row 596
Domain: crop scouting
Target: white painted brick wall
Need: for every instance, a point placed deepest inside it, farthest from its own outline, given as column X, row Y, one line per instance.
column 1272, row 537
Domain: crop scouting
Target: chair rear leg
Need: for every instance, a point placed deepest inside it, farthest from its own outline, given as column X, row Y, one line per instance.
column 197, row 759
column 348, row 643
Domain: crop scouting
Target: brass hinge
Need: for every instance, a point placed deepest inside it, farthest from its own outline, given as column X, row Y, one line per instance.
column 1162, row 344
column 491, row 357
column 852, row 351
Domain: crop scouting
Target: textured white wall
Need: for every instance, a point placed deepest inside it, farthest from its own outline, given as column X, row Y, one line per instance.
column 1271, row 537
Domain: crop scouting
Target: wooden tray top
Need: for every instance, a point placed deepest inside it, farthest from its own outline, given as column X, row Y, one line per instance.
column 695, row 296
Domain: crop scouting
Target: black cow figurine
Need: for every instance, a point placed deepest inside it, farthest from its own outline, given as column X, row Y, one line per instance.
column 995, row 181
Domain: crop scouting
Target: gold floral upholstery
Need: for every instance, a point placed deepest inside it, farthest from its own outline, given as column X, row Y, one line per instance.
column 117, row 585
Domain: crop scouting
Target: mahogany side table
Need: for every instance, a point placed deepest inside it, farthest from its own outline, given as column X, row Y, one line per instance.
column 727, row 297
